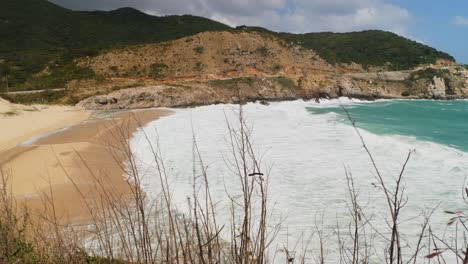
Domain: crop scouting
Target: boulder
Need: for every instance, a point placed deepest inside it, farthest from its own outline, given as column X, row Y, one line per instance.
column 102, row 100
column 437, row 88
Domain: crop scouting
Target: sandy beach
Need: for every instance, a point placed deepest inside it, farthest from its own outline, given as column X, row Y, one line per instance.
column 20, row 122
column 67, row 164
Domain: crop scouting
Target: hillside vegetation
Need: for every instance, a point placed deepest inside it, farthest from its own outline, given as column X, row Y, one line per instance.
column 41, row 43
column 37, row 33
column 368, row 48
column 207, row 55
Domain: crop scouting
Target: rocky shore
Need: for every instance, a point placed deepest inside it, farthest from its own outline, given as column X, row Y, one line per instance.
column 429, row 83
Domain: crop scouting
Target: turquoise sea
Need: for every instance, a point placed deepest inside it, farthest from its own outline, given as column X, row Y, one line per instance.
column 443, row 122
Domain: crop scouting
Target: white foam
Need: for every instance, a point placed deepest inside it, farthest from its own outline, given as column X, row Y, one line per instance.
column 307, row 154
column 30, row 141
column 342, row 101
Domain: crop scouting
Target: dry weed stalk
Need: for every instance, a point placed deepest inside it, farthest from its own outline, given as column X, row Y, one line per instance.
column 135, row 229
column 138, row 230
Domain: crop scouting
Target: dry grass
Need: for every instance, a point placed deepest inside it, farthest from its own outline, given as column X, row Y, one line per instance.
column 135, row 229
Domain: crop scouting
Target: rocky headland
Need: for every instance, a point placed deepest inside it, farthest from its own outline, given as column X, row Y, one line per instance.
column 225, row 67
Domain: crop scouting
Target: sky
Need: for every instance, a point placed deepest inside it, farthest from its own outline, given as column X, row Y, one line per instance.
column 442, row 24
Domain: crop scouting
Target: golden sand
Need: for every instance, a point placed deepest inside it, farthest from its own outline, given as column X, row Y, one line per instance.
column 68, row 165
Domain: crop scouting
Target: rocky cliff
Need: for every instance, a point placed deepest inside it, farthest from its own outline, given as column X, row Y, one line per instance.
column 245, row 89
column 226, row 67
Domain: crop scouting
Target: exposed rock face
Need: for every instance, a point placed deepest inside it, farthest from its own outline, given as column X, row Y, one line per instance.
column 347, row 87
column 222, row 67
column 209, row 55
column 457, row 82
column 453, row 84
column 365, row 86
column 196, row 94
column 384, row 76
column 437, row 88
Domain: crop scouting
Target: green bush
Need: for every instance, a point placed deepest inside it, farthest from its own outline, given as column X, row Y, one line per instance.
column 45, row 34
column 428, row 73
column 59, row 77
column 368, row 48
column 263, row 51
column 406, row 93
column 199, row 49
column 285, row 82
column 157, row 70
column 233, row 82
column 199, row 66
column 277, row 67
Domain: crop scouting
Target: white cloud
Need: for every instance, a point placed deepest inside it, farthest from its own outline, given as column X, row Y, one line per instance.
column 460, row 21
column 280, row 15
column 360, row 15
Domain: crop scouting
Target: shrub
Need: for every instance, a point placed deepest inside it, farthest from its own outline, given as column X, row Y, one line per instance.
column 263, row 51
column 157, row 70
column 233, row 82
column 285, row 82
column 406, row 93
column 199, row 66
column 368, row 48
column 428, row 73
column 60, row 76
column 199, row 49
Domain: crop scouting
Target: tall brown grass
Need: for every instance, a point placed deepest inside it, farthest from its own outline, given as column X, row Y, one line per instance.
column 136, row 229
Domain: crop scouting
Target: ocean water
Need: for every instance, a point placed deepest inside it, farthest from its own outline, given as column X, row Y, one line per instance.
column 305, row 149
column 443, row 122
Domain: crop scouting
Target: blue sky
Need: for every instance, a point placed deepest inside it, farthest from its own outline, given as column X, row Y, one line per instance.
column 435, row 24
column 442, row 24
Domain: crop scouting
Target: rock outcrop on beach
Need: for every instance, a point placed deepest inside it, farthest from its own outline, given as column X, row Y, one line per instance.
column 236, row 90
column 453, row 84
column 437, row 87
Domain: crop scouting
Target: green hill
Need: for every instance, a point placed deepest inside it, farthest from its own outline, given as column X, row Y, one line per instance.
column 36, row 33
column 368, row 48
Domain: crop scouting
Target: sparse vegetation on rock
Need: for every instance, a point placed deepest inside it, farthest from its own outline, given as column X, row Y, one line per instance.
column 157, row 70
column 199, row 49
column 188, row 48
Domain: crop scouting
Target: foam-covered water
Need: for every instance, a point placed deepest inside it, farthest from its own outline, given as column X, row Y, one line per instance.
column 307, row 153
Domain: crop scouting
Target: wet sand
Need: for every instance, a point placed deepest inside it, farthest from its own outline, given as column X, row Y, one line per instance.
column 20, row 122
column 70, row 166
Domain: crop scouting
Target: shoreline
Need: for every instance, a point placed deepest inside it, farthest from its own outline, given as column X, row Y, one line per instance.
column 250, row 99
column 70, row 164
column 29, row 121
column 75, row 156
